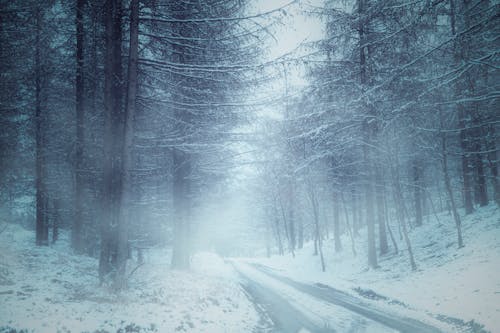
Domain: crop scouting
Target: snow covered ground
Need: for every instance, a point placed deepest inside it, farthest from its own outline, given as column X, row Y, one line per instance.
column 48, row 289
column 450, row 282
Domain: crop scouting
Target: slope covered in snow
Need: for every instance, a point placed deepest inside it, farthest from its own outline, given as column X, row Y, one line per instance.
column 450, row 283
column 48, row 289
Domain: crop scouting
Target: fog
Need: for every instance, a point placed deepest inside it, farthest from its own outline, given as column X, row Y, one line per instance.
column 249, row 166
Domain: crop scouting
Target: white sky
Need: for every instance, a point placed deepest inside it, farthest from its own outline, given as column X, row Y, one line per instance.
column 296, row 27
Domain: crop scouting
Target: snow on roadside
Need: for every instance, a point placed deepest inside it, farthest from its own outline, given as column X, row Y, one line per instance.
column 460, row 283
column 48, row 289
column 210, row 264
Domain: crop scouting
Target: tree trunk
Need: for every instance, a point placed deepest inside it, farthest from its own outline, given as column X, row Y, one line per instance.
column 291, row 217
column 466, row 167
column 349, row 229
column 387, row 219
column 268, row 238
column 370, row 223
column 182, row 205
column 277, row 227
column 278, row 237
column 409, row 248
column 41, row 225
column 76, row 232
column 56, row 221
column 354, row 210
column 369, row 132
column 460, row 55
column 127, row 152
column 493, row 162
column 481, row 194
column 317, row 233
column 480, row 190
column 336, row 223
column 300, row 238
column 417, row 191
column 398, row 199
column 393, row 240
column 356, row 213
column 447, row 181
column 285, row 224
column 113, row 143
column 382, row 233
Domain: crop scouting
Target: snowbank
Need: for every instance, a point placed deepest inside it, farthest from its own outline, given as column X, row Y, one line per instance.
column 48, row 289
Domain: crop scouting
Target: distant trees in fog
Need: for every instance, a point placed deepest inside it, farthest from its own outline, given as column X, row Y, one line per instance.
column 399, row 122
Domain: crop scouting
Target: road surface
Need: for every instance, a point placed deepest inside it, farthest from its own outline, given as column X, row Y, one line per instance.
column 293, row 306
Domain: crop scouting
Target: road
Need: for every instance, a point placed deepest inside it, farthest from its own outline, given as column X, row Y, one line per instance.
column 300, row 307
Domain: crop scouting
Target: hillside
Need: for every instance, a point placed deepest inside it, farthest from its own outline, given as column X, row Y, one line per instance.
column 449, row 283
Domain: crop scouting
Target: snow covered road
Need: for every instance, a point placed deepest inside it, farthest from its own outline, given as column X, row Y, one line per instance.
column 292, row 308
column 356, row 305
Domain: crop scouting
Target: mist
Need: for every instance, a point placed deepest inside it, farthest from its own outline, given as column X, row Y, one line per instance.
column 249, row 166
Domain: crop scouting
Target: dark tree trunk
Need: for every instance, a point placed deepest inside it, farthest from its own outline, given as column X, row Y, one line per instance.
column 481, row 194
column 480, row 190
column 460, row 55
column 369, row 131
column 76, row 232
column 113, row 141
column 356, row 213
column 109, row 105
column 127, row 148
column 56, row 219
column 417, row 191
column 41, row 221
column 370, row 224
column 493, row 162
column 466, row 164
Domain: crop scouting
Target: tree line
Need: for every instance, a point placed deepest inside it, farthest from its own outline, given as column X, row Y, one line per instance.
column 114, row 114
column 399, row 122
column 118, row 118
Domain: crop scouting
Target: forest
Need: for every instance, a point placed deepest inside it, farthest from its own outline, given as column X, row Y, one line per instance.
column 191, row 155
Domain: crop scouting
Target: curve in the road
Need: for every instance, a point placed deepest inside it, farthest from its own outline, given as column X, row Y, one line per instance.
column 337, row 297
